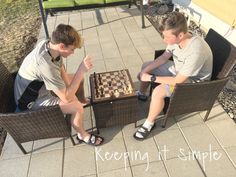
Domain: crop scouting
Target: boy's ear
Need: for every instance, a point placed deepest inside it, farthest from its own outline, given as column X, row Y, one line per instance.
column 181, row 35
column 61, row 46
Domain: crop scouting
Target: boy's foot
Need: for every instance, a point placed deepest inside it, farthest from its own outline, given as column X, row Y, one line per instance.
column 92, row 139
column 143, row 132
column 141, row 97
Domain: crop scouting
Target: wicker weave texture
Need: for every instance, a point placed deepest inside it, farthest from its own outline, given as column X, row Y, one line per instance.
column 195, row 97
column 119, row 112
column 224, row 54
column 47, row 122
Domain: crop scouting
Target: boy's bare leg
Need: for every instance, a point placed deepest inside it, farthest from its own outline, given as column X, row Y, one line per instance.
column 143, row 85
column 80, row 93
column 75, row 108
column 157, row 102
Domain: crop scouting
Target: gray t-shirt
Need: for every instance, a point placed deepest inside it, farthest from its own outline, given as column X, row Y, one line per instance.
column 38, row 68
column 194, row 61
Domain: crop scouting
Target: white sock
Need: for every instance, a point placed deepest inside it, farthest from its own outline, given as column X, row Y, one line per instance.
column 79, row 136
column 148, row 125
column 145, row 2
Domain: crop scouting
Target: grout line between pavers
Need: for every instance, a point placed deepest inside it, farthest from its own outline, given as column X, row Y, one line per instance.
column 131, row 170
column 108, row 22
column 121, row 19
column 63, row 158
column 28, row 170
column 223, row 148
column 160, row 155
column 186, row 140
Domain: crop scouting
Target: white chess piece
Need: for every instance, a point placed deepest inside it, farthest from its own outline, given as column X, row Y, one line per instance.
column 130, row 89
column 116, row 94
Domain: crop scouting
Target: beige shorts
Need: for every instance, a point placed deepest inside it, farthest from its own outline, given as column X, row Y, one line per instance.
column 166, row 69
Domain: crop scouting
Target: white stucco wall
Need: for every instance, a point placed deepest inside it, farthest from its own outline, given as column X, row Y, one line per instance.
column 206, row 20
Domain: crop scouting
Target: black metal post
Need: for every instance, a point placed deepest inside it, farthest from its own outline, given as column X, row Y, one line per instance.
column 142, row 13
column 43, row 18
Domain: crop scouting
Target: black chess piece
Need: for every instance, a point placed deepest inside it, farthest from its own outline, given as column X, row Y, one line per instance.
column 102, row 91
column 100, row 79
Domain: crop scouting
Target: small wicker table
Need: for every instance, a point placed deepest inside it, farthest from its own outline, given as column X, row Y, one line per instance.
column 113, row 98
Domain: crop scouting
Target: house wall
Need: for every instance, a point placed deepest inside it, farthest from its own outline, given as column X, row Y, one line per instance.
column 216, row 14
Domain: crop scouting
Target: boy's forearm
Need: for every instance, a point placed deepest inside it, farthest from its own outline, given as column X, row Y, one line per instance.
column 74, row 85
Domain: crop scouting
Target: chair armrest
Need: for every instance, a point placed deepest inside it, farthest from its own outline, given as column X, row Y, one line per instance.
column 48, row 122
column 202, row 94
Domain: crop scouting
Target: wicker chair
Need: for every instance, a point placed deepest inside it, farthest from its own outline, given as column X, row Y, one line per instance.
column 48, row 122
column 201, row 96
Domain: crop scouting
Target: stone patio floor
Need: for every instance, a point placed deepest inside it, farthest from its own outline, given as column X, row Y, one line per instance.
column 187, row 147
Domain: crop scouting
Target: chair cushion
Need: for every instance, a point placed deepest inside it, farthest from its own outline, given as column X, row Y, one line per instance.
column 114, row 1
column 88, row 2
column 58, row 4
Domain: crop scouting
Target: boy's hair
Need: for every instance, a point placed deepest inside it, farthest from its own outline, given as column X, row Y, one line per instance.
column 67, row 35
column 176, row 22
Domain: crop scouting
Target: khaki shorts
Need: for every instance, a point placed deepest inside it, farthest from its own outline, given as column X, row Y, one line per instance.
column 166, row 69
column 45, row 99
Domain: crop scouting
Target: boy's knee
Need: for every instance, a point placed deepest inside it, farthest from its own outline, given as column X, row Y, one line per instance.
column 77, row 107
column 159, row 91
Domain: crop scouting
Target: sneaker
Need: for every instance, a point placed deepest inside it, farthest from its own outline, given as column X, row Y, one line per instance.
column 141, row 96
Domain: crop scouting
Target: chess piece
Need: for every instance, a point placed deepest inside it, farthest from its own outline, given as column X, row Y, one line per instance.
column 100, row 79
column 102, row 91
column 130, row 88
column 116, row 93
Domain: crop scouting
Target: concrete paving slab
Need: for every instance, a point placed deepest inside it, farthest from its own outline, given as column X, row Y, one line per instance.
column 114, row 64
column 171, row 143
column 11, row 150
column 183, row 167
column 124, row 172
column 217, row 113
column 217, row 164
column 189, row 119
column 141, row 152
column 45, row 145
column 231, row 151
column 153, row 169
column 111, row 156
column 16, row 167
column 200, row 138
column 225, row 131
column 132, row 60
column 46, row 164
column 79, row 161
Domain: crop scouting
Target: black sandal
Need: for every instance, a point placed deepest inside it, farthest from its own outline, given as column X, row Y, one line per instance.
column 92, row 140
column 144, row 132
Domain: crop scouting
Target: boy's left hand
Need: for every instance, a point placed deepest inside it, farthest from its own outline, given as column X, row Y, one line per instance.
column 145, row 77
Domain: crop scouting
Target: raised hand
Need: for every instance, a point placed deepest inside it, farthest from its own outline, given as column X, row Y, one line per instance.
column 86, row 64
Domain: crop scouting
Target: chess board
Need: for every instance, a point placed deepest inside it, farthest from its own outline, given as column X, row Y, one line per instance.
column 111, row 85
column 113, row 98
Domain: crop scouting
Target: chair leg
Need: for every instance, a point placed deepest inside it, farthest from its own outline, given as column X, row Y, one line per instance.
column 72, row 140
column 164, row 122
column 207, row 114
column 21, row 148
